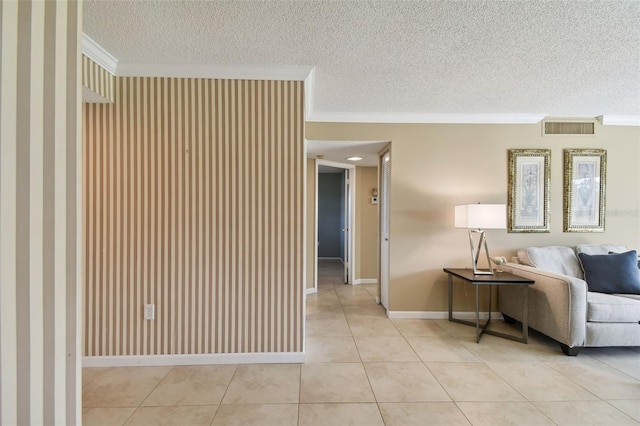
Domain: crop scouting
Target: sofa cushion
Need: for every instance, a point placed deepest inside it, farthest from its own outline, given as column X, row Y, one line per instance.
column 630, row 296
column 600, row 248
column 603, row 307
column 611, row 273
column 557, row 259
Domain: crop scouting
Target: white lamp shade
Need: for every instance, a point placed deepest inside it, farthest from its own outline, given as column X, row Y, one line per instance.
column 481, row 216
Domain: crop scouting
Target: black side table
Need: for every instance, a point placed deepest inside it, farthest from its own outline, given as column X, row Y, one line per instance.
column 498, row 278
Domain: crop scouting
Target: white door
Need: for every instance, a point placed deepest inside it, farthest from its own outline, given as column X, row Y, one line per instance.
column 384, row 229
column 346, row 230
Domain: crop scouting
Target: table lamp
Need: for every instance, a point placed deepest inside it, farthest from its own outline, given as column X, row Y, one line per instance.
column 476, row 218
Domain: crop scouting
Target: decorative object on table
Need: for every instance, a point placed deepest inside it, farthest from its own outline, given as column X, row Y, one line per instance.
column 499, row 261
column 584, row 189
column 528, row 198
column 476, row 218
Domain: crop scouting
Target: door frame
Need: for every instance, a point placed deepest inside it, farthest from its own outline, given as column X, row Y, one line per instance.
column 350, row 223
column 382, row 280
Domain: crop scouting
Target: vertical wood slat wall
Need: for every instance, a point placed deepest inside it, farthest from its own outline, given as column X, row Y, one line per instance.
column 97, row 79
column 194, row 202
column 40, row 212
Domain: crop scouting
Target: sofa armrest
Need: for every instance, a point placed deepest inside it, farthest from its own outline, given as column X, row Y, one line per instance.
column 557, row 304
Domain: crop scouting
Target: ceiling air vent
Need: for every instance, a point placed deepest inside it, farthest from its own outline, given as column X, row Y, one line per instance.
column 568, row 128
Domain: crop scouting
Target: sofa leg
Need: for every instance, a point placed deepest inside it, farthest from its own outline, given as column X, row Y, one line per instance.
column 508, row 319
column 574, row 351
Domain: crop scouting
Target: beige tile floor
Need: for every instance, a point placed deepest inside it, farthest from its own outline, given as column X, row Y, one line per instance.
column 364, row 369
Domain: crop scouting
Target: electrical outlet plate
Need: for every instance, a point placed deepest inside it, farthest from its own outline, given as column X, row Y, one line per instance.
column 149, row 312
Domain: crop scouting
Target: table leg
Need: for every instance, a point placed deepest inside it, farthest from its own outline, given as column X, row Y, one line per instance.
column 525, row 315
column 490, row 297
column 450, row 298
column 477, row 314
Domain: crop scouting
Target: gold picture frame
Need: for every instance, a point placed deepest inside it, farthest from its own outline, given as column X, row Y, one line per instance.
column 528, row 196
column 584, row 189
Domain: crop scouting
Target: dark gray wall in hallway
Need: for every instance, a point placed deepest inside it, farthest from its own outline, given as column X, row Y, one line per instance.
column 330, row 194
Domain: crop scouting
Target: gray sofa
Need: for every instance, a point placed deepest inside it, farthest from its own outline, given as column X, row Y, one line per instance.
column 561, row 305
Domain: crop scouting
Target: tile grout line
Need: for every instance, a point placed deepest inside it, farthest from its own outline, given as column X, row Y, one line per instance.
column 375, row 398
column 361, row 362
column 147, row 396
column 436, row 377
column 300, row 388
column 235, row 371
column 549, row 364
column 619, row 410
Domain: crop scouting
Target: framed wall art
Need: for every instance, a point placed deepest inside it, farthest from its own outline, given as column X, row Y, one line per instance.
column 528, row 198
column 584, row 189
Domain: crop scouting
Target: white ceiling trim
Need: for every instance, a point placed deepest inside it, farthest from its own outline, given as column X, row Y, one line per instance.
column 309, row 90
column 362, row 117
column 97, row 54
column 619, row 120
column 336, row 164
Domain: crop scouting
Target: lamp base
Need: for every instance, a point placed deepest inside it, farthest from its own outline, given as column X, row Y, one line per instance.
column 475, row 254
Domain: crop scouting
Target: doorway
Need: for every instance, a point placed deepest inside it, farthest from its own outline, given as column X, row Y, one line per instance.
column 362, row 159
column 385, row 175
column 335, row 215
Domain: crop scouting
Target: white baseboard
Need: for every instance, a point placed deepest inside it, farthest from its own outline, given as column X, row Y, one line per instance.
column 195, row 359
column 440, row 315
column 365, row 281
column 311, row 290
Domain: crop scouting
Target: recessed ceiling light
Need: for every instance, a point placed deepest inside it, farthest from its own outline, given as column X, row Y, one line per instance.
column 354, row 158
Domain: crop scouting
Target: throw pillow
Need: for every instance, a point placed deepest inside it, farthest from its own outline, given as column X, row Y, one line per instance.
column 613, row 252
column 611, row 273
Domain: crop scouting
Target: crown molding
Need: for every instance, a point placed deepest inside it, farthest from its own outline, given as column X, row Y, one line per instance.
column 362, row 117
column 238, row 72
column 309, row 90
column 619, row 120
column 97, row 54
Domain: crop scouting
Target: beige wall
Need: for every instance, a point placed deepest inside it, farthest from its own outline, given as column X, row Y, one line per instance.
column 40, row 157
column 435, row 167
column 194, row 203
column 366, row 224
column 311, row 223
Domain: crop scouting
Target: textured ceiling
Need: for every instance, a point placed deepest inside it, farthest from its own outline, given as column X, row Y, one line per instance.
column 398, row 58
